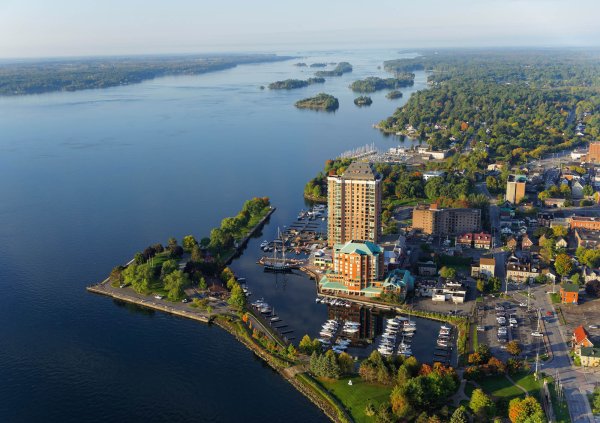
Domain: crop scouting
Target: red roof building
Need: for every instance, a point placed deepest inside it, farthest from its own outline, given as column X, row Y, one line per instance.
column 580, row 338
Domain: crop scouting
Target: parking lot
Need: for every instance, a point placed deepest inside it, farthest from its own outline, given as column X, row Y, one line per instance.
column 500, row 321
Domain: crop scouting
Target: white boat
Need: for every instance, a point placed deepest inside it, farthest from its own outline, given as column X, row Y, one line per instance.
column 264, row 244
column 410, row 328
column 446, row 327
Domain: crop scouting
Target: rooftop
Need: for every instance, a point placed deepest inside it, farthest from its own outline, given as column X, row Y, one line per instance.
column 579, row 334
column 361, row 171
column 570, row 287
column 360, row 247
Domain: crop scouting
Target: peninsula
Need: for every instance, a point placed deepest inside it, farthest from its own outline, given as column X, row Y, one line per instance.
column 373, row 83
column 290, row 84
column 321, row 101
column 80, row 74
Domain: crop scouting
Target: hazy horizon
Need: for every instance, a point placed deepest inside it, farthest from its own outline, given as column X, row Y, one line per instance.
column 68, row 28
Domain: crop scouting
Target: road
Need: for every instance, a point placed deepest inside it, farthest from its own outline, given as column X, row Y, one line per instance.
column 575, row 384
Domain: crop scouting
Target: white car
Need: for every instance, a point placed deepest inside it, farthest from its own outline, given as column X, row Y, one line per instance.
column 158, row 297
column 537, row 334
column 593, row 326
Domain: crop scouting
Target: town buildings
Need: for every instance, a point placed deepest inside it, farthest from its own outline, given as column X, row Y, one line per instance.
column 359, row 269
column 520, row 270
column 515, row 188
column 585, row 222
column 594, row 152
column 485, row 268
column 354, row 205
column 445, row 222
column 587, row 239
column 569, row 293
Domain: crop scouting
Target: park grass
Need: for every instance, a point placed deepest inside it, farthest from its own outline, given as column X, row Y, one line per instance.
column 555, row 297
column 323, row 393
column 474, row 339
column 406, row 202
column 355, row 397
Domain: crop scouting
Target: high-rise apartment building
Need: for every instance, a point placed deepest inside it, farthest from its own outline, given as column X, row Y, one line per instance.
column 354, row 205
column 445, row 222
column 515, row 188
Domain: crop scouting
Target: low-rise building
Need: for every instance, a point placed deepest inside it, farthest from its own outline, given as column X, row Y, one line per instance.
column 587, row 239
column 427, row 268
column 482, row 240
column 485, row 268
column 569, row 293
column 554, row 202
column 585, row 222
column 465, row 240
column 526, row 242
column 589, row 356
column 450, row 291
column 433, row 174
column 561, row 242
column 511, row 243
column 580, row 339
column 521, row 270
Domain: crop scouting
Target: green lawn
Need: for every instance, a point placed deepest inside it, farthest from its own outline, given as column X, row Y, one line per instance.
column 474, row 338
column 356, row 397
column 501, row 387
column 555, row 298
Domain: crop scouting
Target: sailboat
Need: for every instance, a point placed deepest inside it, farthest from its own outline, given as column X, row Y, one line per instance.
column 275, row 264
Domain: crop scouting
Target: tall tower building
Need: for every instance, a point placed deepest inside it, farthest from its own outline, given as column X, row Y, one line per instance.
column 515, row 188
column 354, row 205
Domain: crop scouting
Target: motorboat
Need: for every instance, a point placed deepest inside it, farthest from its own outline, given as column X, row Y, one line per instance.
column 264, row 244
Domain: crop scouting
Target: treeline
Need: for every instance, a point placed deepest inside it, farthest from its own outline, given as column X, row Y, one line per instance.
column 79, row 74
column 515, row 105
column 290, row 84
column 373, row 83
column 340, row 69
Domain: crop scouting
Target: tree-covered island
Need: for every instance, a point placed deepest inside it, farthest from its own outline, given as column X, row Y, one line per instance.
column 290, row 84
column 321, row 101
column 339, row 70
column 363, row 101
column 374, row 83
column 394, row 94
column 318, row 65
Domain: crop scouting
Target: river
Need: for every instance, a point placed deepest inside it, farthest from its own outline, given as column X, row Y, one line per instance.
column 91, row 177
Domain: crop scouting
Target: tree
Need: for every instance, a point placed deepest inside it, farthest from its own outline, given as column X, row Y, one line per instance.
column 560, row 231
column 172, row 242
column 189, row 242
column 370, row 409
column 588, row 190
column 346, row 363
column 237, row 298
column 481, row 404
column 480, row 285
column 513, row 348
column 306, row 346
column 526, row 410
column 448, row 272
column 167, row 267
column 592, row 288
column 202, row 284
column 484, row 352
column 400, row 403
column 175, row 283
column 563, row 264
column 138, row 258
column 460, row 415
column 596, row 401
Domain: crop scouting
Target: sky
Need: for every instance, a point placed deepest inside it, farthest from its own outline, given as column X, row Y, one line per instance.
column 57, row 28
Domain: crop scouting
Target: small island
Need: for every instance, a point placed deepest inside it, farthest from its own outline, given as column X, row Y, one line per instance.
column 374, row 83
column 393, row 95
column 300, row 64
column 363, row 101
column 318, row 65
column 321, row 101
column 290, row 84
column 339, row 70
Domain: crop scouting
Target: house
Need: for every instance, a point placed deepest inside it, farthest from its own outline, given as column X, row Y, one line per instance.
column 587, row 239
column 526, row 242
column 554, row 202
column 482, row 240
column 589, row 356
column 426, row 268
column 577, row 189
column 433, row 174
column 590, row 274
column 549, row 274
column 569, row 293
column 465, row 240
column 453, row 291
column 486, row 268
column 580, row 338
column 544, row 219
column 511, row 243
column 561, row 242
column 520, row 270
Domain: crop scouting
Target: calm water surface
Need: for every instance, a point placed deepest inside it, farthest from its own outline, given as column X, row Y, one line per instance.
column 91, row 177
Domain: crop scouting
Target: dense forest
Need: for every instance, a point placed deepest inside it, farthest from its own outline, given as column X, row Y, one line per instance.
column 290, row 84
column 373, row 83
column 339, row 70
column 505, row 106
column 28, row 77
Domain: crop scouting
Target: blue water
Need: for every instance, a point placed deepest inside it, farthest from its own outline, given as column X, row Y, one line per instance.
column 91, row 177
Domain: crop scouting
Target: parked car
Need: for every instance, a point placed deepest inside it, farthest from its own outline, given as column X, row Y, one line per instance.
column 549, row 313
column 537, row 334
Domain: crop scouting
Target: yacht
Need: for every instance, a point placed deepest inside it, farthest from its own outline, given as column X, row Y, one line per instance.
column 264, row 244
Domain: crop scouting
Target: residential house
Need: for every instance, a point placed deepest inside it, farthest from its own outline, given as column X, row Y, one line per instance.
column 486, row 268
column 589, row 356
column 465, row 240
column 561, row 242
column 569, row 293
column 520, row 270
column 511, row 243
column 580, row 339
column 482, row 240
column 577, row 188
column 526, row 242
column 590, row 274
column 554, row 202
